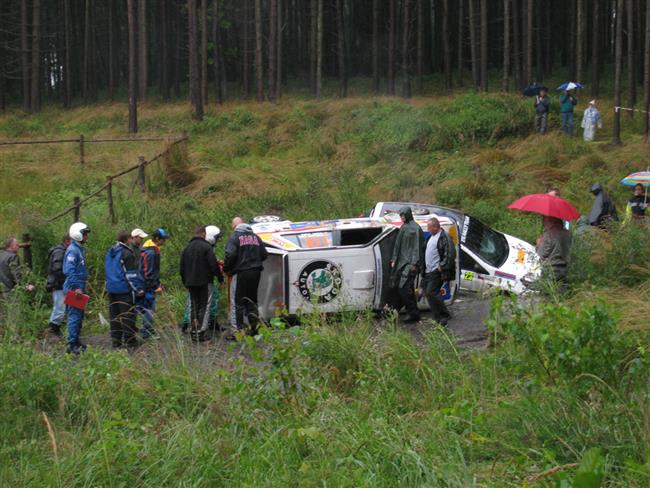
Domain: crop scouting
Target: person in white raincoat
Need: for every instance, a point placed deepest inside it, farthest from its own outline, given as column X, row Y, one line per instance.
column 590, row 120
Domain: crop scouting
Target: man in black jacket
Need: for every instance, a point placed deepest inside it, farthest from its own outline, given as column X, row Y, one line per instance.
column 54, row 284
column 245, row 253
column 440, row 266
column 198, row 269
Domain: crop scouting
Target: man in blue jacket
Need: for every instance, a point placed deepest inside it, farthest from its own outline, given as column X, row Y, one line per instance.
column 76, row 275
column 567, row 102
column 124, row 285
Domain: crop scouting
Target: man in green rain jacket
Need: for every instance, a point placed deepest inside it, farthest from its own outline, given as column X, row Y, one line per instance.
column 406, row 263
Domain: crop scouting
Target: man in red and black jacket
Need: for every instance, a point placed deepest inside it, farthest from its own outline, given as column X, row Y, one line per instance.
column 245, row 253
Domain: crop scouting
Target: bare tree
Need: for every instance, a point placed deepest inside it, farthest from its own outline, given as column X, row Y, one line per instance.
column 245, row 48
column 461, row 33
column 580, row 39
column 142, row 51
column 517, row 43
column 420, row 44
column 273, row 44
column 203, row 19
column 472, row 41
column 646, row 76
column 446, row 50
column 259, row 70
column 67, row 61
column 529, row 41
column 631, row 65
column 595, row 50
column 280, row 50
column 484, row 46
column 340, row 30
column 195, row 82
column 313, row 35
column 111, row 49
column 392, row 33
column 319, row 49
column 35, row 97
column 618, row 59
column 406, row 31
column 217, row 48
column 375, row 45
column 133, row 66
column 505, row 83
column 24, row 54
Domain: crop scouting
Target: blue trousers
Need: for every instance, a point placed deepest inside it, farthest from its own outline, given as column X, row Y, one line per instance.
column 75, row 319
column 147, row 310
column 58, row 307
column 567, row 123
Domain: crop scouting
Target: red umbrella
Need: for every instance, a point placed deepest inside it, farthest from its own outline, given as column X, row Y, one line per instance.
column 545, row 204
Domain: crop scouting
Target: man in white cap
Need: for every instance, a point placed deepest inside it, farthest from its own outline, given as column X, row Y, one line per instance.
column 138, row 237
column 590, row 121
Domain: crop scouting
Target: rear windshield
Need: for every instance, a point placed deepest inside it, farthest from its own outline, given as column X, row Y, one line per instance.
column 336, row 238
column 487, row 243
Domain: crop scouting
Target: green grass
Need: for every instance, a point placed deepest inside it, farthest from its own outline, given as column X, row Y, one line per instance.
column 340, row 401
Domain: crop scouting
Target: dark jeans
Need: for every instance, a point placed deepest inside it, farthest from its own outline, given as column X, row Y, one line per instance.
column 243, row 299
column 431, row 286
column 404, row 296
column 567, row 123
column 121, row 310
column 541, row 122
column 199, row 299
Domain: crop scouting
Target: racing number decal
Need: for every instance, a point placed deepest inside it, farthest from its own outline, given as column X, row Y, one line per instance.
column 468, row 276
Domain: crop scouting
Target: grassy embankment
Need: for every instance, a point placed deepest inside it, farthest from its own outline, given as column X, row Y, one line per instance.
column 342, row 405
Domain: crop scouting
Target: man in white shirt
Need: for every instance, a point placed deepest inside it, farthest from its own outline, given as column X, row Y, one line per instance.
column 439, row 260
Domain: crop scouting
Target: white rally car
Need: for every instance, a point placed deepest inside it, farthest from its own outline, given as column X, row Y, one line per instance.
column 488, row 258
column 332, row 265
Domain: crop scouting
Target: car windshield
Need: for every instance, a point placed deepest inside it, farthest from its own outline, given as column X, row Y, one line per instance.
column 488, row 244
column 394, row 208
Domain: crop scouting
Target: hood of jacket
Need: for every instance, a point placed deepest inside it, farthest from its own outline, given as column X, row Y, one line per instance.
column 407, row 213
column 150, row 243
column 243, row 228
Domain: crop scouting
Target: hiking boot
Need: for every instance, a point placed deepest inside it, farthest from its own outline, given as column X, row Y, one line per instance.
column 411, row 319
column 55, row 329
column 149, row 334
column 76, row 348
column 200, row 336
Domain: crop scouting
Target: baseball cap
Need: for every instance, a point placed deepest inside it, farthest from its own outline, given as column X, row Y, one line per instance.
column 139, row 233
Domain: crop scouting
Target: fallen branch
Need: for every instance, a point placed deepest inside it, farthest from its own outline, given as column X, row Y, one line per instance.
column 548, row 472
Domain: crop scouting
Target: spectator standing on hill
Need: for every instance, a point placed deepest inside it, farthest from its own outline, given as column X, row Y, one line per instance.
column 137, row 238
column 567, row 102
column 150, row 267
column 553, row 248
column 542, row 107
column 603, row 210
column 198, row 269
column 245, row 253
column 124, row 285
column 10, row 272
column 591, row 121
column 76, row 276
column 440, row 266
column 54, row 284
column 637, row 205
column 407, row 261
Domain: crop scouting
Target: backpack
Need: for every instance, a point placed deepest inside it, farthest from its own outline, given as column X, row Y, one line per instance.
column 120, row 280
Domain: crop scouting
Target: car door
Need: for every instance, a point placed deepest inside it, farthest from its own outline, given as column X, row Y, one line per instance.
column 273, row 289
column 331, row 280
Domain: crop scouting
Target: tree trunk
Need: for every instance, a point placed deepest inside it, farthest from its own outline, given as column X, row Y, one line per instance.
column 646, row 75
column 24, row 54
column 259, row 70
column 420, row 45
column 406, row 32
column 195, row 82
column 178, row 39
column 111, row 49
column 319, row 49
column 375, row 46
column 164, row 52
column 446, row 51
column 273, row 44
column 595, row 50
column 472, row 42
column 142, row 50
column 461, row 34
column 216, row 52
column 484, row 46
column 529, row 41
column 580, row 39
column 505, row 83
column 631, row 64
column 203, row 19
column 516, row 41
column 67, row 61
column 246, row 57
column 133, row 66
column 87, row 51
column 340, row 28
column 392, row 32
column 280, row 49
column 35, row 98
column 618, row 60
column 313, row 34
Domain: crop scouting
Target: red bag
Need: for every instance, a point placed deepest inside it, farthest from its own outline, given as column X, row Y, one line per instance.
column 75, row 301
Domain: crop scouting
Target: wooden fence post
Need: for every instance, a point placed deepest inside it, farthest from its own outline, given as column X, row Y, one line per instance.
column 27, row 250
column 109, row 194
column 77, row 209
column 81, row 149
column 141, row 180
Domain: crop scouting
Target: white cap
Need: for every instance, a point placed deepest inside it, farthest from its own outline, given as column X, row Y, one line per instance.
column 593, row 102
column 139, row 233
